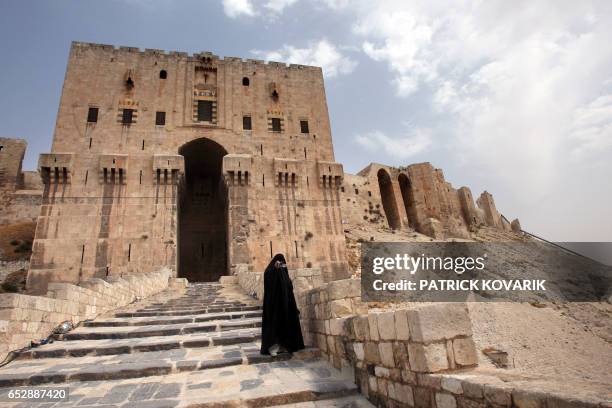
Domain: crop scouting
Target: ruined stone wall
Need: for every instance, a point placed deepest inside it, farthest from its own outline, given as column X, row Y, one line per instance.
column 361, row 202
column 416, row 197
column 20, row 192
column 112, row 197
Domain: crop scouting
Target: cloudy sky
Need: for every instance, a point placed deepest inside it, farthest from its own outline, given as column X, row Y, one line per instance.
column 511, row 97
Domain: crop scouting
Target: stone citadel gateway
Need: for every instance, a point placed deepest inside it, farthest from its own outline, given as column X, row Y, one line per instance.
column 167, row 168
column 200, row 163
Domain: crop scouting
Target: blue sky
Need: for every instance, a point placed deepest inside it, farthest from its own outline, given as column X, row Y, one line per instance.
column 511, row 97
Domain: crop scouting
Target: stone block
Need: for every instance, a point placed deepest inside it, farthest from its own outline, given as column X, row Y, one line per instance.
column 452, row 385
column 499, row 395
column 400, row 354
column 386, row 325
column 404, row 394
column 372, row 354
column 528, row 399
column 444, row 400
column 359, row 352
column 373, row 324
column 464, row 351
column 402, row 329
column 341, row 307
column 373, row 383
column 427, row 358
column 386, row 354
column 361, row 328
column 336, row 326
column 439, row 322
column 433, row 381
column 381, row 371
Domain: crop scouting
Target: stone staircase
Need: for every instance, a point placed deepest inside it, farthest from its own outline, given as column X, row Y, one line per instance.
column 198, row 349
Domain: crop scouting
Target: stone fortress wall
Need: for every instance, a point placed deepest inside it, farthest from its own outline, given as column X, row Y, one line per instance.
column 199, row 164
column 146, row 142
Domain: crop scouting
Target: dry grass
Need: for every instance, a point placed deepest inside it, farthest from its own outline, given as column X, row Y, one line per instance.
column 16, row 241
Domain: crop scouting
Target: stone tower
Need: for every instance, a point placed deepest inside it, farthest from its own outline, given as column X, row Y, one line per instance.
column 193, row 162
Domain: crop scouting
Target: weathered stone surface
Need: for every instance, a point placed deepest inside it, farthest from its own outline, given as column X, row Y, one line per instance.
column 402, row 328
column 439, row 322
column 498, row 394
column 359, row 352
column 464, row 351
column 444, row 400
column 427, row 358
column 341, row 308
column 386, row 325
column 404, row 394
column 386, row 354
column 373, row 325
column 528, row 399
column 452, row 385
column 372, row 354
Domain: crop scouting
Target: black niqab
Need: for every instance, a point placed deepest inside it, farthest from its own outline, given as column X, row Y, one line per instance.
column 281, row 317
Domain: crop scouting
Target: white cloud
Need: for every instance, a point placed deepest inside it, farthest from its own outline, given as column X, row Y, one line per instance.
column 321, row 54
column 402, row 147
column 237, row 8
column 523, row 90
column 278, row 6
column 592, row 128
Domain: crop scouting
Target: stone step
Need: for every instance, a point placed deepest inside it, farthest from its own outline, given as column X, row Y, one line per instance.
column 125, row 332
column 183, row 312
column 285, row 383
column 193, row 305
column 352, row 401
column 62, row 349
column 114, row 367
column 162, row 320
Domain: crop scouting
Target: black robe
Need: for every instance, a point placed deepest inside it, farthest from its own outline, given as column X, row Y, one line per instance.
column 281, row 317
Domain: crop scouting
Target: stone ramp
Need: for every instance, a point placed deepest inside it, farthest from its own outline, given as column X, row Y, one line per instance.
column 200, row 349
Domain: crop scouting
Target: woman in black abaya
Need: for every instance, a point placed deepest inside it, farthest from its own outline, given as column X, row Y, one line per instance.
column 280, row 326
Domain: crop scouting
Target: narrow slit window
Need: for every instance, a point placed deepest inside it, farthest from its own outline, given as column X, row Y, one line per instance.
column 304, row 126
column 204, row 111
column 276, row 124
column 127, row 117
column 160, row 118
column 92, row 115
column 246, row 123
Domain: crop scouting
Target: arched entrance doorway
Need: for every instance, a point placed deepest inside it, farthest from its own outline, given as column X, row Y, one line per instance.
column 407, row 198
column 203, row 213
column 388, row 199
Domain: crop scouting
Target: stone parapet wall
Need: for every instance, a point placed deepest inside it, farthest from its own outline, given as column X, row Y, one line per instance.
column 482, row 389
column 421, row 355
column 387, row 350
column 24, row 318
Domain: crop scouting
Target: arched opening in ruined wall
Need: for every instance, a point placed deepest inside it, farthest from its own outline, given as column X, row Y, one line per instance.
column 408, row 198
column 388, row 199
column 202, row 242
